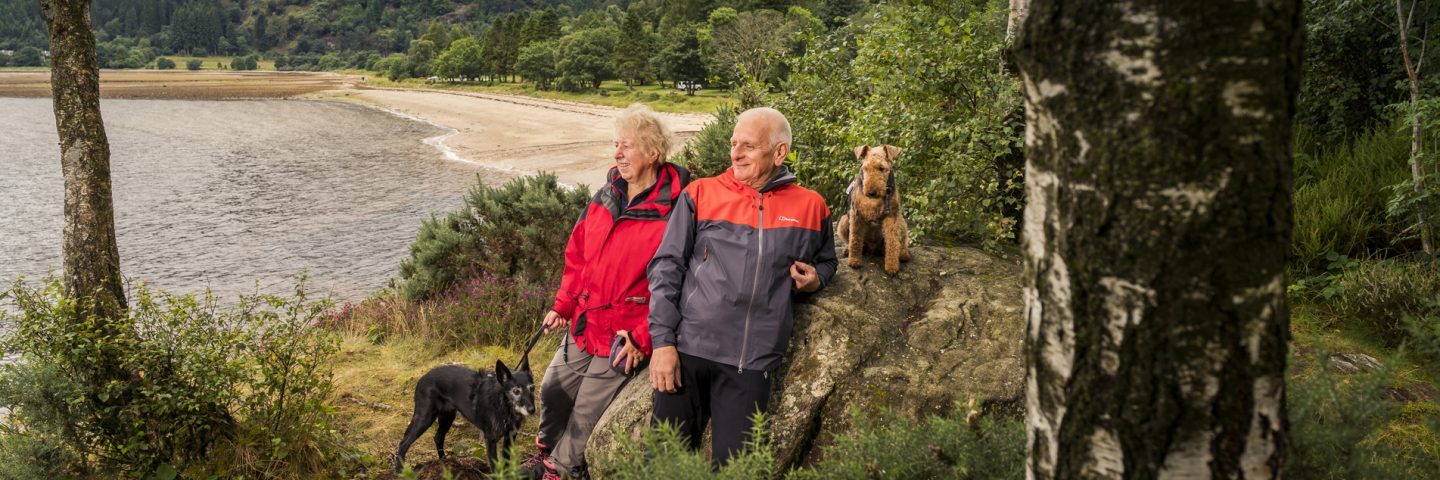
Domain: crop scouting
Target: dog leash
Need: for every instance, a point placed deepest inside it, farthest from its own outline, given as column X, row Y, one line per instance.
column 525, row 357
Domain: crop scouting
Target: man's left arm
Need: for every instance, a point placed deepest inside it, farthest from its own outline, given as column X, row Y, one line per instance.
column 825, row 259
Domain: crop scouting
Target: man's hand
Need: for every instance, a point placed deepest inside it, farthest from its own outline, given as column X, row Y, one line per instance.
column 665, row 369
column 628, row 354
column 553, row 320
column 805, row 278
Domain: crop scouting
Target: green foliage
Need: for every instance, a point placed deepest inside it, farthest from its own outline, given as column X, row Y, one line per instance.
column 633, row 49
column 923, row 78
column 679, row 58
column 421, row 58
column 1339, row 196
column 748, row 47
column 395, row 67
column 193, row 64
column 585, row 59
column 1382, row 292
column 478, row 310
column 888, row 446
column 235, row 392
column 537, row 63
column 28, row 57
column 1394, row 299
column 163, row 63
column 883, row 445
column 511, row 231
column 635, row 460
column 540, row 26
column 708, row 154
column 1353, row 68
column 1335, row 424
column 244, row 63
column 462, row 60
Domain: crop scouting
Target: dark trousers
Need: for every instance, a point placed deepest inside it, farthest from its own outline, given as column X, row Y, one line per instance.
column 714, row 391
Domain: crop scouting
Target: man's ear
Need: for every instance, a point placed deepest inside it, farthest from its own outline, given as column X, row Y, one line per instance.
column 892, row 151
column 860, row 151
column 781, row 151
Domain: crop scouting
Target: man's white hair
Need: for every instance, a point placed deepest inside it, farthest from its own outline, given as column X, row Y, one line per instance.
column 779, row 127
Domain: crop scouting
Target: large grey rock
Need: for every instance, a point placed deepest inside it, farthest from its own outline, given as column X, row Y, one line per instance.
column 947, row 328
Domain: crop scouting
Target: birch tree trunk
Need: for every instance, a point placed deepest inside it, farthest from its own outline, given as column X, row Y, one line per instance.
column 1417, row 174
column 1156, row 229
column 91, row 255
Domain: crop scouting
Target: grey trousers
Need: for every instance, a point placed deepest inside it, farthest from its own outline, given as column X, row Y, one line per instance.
column 573, row 395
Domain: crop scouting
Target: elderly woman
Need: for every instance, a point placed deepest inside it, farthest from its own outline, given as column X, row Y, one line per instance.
column 604, row 296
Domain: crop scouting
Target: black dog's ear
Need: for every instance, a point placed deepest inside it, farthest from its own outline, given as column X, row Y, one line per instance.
column 501, row 373
column 860, row 151
column 892, row 151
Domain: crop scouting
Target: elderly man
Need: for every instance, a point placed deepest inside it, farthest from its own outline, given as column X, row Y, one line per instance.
column 736, row 248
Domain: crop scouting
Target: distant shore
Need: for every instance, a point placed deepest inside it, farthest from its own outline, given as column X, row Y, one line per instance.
column 506, row 132
column 181, row 84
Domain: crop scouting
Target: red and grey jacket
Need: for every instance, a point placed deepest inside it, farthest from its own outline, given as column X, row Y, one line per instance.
column 720, row 282
column 603, row 288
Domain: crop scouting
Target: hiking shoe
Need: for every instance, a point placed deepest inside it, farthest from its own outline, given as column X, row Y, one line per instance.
column 541, row 470
column 535, row 460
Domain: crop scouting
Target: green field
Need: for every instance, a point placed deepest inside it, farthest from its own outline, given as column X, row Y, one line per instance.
column 612, row 93
column 208, row 63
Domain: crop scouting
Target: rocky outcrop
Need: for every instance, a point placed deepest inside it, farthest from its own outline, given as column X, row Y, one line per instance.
column 947, row 328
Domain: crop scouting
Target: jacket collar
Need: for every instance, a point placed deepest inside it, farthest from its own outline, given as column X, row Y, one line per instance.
column 781, row 177
column 652, row 203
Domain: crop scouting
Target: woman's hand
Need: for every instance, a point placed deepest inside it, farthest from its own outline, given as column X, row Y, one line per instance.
column 553, row 320
column 630, row 355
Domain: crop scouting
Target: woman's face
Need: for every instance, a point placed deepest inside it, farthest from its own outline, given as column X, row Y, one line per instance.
column 632, row 157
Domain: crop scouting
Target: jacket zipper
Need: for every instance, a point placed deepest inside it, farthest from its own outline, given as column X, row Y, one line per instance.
column 754, row 282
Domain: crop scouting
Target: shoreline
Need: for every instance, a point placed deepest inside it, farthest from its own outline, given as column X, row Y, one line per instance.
column 507, row 133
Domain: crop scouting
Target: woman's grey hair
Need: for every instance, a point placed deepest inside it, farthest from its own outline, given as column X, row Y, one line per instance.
column 779, row 126
column 646, row 127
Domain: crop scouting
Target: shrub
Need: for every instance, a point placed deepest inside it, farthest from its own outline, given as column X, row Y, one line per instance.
column 179, row 381
column 883, row 445
column 518, row 230
column 709, row 153
column 922, row 77
column 193, row 64
column 1381, row 293
column 163, row 63
column 480, row 310
column 635, row 460
column 888, row 446
column 1337, row 425
column 1340, row 196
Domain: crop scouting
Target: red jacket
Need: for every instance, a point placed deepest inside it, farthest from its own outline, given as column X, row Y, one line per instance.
column 604, row 287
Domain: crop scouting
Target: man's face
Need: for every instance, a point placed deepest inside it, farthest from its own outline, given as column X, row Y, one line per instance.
column 752, row 156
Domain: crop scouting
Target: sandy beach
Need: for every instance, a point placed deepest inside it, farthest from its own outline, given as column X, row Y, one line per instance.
column 505, row 132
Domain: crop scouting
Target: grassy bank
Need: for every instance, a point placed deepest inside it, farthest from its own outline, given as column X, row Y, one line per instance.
column 1391, row 417
column 611, row 93
column 375, row 387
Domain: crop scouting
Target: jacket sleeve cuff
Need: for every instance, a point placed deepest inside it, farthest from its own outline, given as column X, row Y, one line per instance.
column 564, row 307
column 661, row 337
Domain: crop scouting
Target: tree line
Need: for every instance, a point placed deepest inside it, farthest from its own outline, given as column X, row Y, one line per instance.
column 570, row 44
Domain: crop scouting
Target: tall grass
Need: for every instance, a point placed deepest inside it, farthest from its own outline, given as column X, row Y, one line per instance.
column 1340, row 195
column 480, row 310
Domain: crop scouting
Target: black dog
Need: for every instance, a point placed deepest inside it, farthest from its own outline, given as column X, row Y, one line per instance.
column 496, row 403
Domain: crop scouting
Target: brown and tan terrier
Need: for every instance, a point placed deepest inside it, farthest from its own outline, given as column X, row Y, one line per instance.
column 874, row 223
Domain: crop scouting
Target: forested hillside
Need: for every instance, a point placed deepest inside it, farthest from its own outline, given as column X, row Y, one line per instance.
column 239, row 27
